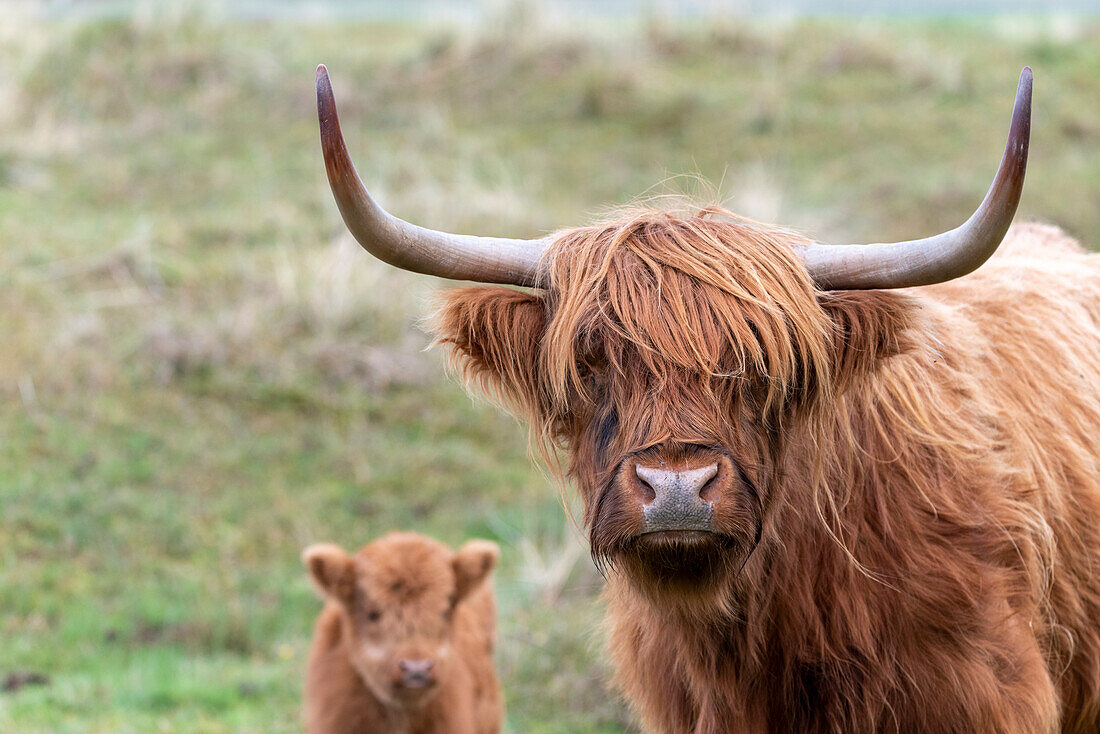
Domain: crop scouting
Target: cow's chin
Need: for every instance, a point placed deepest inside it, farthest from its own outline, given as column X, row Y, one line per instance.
column 412, row 698
column 685, row 564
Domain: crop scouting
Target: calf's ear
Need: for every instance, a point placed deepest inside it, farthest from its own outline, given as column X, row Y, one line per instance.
column 493, row 334
column 331, row 570
column 473, row 563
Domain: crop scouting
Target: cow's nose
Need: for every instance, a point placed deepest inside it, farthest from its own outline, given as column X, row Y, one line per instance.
column 677, row 503
column 417, row 673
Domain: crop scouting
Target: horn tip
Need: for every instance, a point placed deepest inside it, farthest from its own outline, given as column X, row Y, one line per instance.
column 1026, row 78
column 331, row 138
column 326, row 103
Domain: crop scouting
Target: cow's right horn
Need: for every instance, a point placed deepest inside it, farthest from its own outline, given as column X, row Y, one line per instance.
column 405, row 245
column 944, row 256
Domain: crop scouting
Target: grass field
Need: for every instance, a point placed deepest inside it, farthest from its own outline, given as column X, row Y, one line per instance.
column 200, row 373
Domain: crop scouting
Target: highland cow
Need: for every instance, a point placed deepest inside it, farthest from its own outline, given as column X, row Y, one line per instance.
column 834, row 488
column 405, row 642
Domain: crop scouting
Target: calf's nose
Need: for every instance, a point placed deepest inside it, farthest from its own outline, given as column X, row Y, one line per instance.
column 416, row 673
column 677, row 503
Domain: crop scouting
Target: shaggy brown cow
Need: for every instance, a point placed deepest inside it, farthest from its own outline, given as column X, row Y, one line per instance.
column 823, row 504
column 405, row 642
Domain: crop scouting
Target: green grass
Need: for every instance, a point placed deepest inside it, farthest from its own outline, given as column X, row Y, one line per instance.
column 201, row 374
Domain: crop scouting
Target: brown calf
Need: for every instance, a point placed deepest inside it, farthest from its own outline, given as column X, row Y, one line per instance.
column 405, row 642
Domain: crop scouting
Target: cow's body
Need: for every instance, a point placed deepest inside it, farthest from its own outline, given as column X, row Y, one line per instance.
column 940, row 574
column 972, row 490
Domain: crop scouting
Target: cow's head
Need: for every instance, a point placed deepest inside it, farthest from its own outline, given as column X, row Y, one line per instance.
column 397, row 597
column 671, row 356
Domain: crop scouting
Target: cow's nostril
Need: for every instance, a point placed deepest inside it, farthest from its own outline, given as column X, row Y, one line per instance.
column 647, row 486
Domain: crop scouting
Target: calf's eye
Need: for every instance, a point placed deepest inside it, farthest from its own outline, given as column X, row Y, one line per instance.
column 374, row 615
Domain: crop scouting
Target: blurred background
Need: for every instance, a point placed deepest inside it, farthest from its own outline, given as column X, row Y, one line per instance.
column 201, row 373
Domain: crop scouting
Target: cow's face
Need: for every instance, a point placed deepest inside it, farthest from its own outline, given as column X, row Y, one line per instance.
column 397, row 597
column 670, row 358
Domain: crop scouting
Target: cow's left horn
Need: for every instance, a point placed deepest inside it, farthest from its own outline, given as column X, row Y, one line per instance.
column 405, row 245
column 944, row 256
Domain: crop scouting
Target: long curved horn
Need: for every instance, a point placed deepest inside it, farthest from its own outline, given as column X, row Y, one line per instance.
column 944, row 256
column 405, row 245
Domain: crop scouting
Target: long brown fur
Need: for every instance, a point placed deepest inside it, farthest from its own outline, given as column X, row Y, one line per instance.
column 914, row 542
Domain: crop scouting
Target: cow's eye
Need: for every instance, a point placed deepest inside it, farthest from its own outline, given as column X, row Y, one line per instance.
column 589, row 372
column 374, row 615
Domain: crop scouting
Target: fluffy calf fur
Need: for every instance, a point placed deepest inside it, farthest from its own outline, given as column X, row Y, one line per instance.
column 912, row 539
column 404, row 644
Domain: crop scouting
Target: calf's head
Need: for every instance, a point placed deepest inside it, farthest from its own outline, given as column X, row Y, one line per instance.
column 397, row 597
column 671, row 356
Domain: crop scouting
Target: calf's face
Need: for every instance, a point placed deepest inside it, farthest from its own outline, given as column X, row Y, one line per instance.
column 398, row 597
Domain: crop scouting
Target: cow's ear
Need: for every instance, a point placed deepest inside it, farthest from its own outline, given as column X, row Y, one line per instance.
column 494, row 335
column 473, row 563
column 332, row 571
column 868, row 327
